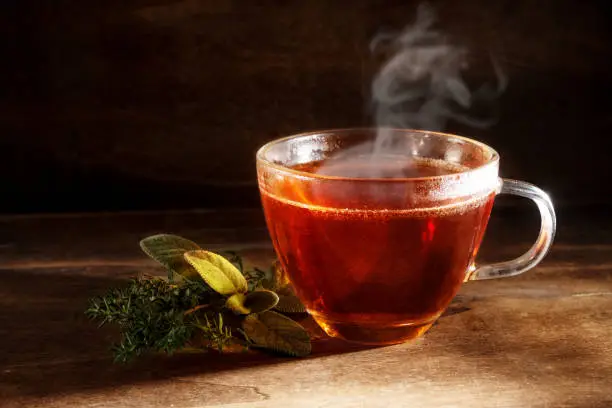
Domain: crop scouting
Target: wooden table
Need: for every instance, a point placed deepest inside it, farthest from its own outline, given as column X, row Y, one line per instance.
column 543, row 339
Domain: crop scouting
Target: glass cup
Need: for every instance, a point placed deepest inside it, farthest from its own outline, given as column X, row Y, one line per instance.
column 377, row 230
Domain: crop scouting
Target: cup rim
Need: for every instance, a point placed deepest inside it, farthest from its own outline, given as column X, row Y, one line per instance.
column 260, row 156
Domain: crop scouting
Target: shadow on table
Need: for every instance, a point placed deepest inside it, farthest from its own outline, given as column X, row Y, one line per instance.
column 51, row 348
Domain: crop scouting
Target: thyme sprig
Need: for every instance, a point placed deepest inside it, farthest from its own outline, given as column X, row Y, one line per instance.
column 208, row 301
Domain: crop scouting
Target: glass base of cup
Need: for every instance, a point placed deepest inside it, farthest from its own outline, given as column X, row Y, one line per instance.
column 374, row 335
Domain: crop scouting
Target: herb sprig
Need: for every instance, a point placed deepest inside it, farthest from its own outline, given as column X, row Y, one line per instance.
column 208, row 302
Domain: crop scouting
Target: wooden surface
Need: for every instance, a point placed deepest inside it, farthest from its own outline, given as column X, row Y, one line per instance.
column 541, row 340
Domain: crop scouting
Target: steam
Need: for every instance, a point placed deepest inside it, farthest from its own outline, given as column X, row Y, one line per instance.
column 420, row 86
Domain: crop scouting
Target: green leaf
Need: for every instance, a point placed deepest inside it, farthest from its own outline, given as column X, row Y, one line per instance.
column 219, row 273
column 261, row 300
column 289, row 304
column 254, row 302
column 168, row 250
column 236, row 303
column 276, row 332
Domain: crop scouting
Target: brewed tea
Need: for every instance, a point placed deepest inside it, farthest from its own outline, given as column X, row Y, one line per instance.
column 379, row 273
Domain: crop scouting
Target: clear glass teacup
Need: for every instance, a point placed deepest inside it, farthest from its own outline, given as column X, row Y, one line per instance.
column 377, row 243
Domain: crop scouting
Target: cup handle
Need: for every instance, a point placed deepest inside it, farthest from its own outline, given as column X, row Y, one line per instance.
column 539, row 249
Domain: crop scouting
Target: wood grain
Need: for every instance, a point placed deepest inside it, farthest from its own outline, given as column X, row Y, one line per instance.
column 538, row 340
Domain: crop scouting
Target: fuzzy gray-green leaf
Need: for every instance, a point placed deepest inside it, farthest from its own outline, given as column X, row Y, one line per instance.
column 168, row 250
column 261, row 300
column 288, row 302
column 276, row 332
column 236, row 303
column 219, row 273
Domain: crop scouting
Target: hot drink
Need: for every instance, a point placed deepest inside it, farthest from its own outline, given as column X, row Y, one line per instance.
column 377, row 235
column 384, row 269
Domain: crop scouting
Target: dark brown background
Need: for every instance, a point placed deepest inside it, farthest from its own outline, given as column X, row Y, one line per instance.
column 142, row 104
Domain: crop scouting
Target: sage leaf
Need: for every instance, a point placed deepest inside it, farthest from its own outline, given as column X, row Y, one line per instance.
column 254, row 302
column 168, row 250
column 236, row 303
column 289, row 304
column 261, row 300
column 276, row 332
column 219, row 273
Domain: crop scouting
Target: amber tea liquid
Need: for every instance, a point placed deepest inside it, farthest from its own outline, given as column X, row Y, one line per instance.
column 374, row 275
